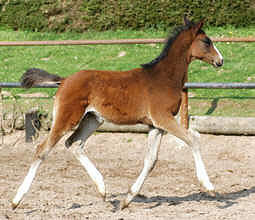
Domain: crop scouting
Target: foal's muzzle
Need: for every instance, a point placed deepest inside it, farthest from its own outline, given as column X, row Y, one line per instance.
column 218, row 59
column 218, row 63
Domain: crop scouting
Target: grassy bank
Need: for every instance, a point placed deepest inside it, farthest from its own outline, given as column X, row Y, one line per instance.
column 64, row 60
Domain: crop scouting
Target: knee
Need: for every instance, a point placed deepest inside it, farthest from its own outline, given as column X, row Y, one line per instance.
column 77, row 151
column 42, row 150
column 194, row 136
column 194, row 133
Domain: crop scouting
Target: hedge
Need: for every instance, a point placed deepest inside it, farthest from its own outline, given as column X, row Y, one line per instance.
column 100, row 15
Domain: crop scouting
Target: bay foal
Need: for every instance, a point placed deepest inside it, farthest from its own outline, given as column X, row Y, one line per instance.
column 150, row 95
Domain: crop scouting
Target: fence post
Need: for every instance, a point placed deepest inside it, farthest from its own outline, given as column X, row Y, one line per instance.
column 184, row 109
column 1, row 116
column 32, row 125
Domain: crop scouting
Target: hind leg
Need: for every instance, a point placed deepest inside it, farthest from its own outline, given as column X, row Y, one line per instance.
column 42, row 151
column 87, row 126
column 24, row 187
column 62, row 122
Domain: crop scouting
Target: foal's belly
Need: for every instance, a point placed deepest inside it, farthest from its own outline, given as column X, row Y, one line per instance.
column 118, row 114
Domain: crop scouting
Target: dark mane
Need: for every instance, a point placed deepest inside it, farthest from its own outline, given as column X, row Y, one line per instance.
column 169, row 41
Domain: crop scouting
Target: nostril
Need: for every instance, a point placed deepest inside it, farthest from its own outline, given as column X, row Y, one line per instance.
column 220, row 63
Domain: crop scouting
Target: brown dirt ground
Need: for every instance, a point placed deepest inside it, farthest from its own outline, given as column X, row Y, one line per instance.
column 63, row 190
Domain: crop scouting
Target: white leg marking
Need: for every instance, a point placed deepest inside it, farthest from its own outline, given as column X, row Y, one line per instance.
column 88, row 126
column 26, row 183
column 95, row 175
column 201, row 172
column 151, row 157
column 149, row 161
column 200, row 167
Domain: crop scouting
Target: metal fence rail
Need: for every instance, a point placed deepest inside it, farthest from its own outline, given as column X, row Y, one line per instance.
column 18, row 85
column 188, row 85
column 216, row 85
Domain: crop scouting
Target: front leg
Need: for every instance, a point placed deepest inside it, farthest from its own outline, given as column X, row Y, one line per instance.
column 154, row 140
column 170, row 125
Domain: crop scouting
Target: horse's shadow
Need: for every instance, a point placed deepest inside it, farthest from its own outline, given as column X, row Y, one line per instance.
column 226, row 200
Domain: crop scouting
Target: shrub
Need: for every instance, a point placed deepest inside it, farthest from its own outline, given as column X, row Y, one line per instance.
column 100, row 15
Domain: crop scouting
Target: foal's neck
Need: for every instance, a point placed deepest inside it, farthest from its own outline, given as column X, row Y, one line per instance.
column 174, row 66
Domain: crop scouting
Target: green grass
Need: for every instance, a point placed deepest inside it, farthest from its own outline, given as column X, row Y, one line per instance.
column 64, row 60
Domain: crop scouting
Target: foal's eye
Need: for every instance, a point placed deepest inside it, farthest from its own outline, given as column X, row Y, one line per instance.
column 207, row 42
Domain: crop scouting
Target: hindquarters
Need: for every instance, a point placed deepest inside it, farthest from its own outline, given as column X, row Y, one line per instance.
column 69, row 106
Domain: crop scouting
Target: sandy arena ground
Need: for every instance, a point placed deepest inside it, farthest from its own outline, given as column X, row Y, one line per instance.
column 63, row 190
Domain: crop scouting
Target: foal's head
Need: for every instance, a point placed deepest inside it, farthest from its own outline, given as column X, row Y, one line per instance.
column 202, row 47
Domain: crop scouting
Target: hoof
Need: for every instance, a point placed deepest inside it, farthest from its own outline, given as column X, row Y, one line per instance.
column 123, row 204
column 212, row 193
column 102, row 192
column 103, row 196
column 14, row 206
column 207, row 186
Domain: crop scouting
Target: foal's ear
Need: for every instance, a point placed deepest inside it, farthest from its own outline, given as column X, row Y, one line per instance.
column 186, row 20
column 198, row 26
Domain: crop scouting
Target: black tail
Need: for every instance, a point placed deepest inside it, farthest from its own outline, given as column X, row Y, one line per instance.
column 37, row 76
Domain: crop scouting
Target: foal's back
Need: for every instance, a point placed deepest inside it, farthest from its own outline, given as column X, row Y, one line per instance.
column 118, row 96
